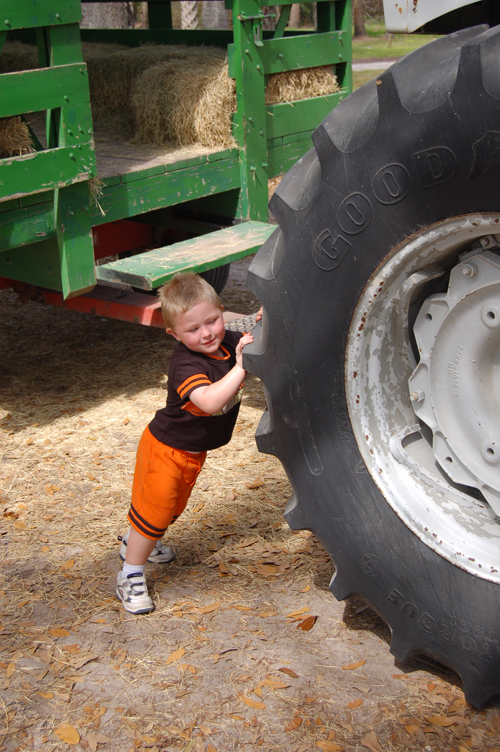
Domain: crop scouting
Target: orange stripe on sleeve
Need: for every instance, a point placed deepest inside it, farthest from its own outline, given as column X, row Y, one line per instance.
column 190, row 407
column 200, row 379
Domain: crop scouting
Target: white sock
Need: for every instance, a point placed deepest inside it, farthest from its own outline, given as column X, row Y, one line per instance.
column 132, row 568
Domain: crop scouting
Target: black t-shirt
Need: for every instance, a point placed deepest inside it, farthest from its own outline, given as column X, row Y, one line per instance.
column 181, row 424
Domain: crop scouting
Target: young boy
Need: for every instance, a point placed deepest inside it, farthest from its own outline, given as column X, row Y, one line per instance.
column 205, row 379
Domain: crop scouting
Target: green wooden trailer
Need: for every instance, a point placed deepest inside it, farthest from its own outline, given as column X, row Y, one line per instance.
column 213, row 204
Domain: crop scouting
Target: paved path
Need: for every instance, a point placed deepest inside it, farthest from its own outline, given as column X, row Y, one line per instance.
column 359, row 65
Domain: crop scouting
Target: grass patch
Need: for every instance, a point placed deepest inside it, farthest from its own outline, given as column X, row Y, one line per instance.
column 360, row 78
column 378, row 44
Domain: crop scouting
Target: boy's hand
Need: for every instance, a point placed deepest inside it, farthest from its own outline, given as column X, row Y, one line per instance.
column 211, row 399
column 258, row 315
column 245, row 340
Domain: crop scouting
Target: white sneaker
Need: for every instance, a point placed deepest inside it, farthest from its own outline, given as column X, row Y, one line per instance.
column 132, row 590
column 159, row 555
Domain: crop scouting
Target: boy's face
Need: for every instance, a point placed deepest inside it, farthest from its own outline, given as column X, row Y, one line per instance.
column 200, row 328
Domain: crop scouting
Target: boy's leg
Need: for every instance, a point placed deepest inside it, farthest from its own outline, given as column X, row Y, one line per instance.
column 159, row 555
column 138, row 548
column 163, row 480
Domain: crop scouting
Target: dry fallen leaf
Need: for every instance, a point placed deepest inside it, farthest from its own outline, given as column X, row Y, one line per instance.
column 274, row 683
column 207, row 609
column 346, row 726
column 95, row 739
column 10, row 670
column 175, row 656
column 329, row 746
column 354, row 704
column 412, row 729
column 67, row 733
column 297, row 613
column 289, row 672
column 187, row 667
column 294, row 723
column 370, row 741
column 178, row 732
column 352, row 666
column 256, row 483
column 442, row 720
column 307, row 624
column 252, row 703
column 59, row 632
column 82, row 661
column 47, row 695
column 266, row 569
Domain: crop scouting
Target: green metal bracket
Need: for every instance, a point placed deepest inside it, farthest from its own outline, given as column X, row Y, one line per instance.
column 282, row 21
column 250, row 121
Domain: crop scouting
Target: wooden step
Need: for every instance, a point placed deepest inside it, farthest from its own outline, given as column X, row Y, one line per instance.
column 149, row 270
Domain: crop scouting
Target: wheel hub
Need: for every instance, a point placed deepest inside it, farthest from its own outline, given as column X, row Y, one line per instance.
column 454, row 389
column 403, row 404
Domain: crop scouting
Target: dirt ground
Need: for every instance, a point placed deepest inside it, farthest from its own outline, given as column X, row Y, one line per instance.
column 247, row 649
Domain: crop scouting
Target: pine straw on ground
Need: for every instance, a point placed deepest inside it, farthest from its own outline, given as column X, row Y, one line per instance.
column 171, row 94
column 221, row 663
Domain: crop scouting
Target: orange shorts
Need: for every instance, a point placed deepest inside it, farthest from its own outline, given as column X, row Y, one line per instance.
column 163, row 480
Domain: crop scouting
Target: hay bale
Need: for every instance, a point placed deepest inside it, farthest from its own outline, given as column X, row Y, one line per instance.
column 15, row 138
column 290, row 86
column 17, row 56
column 171, row 94
column 186, row 101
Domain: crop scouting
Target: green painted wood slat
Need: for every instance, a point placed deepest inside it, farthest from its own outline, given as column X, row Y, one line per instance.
column 302, row 115
column 43, row 89
column 298, row 52
column 295, row 53
column 149, row 270
column 45, row 170
column 15, row 14
column 120, row 201
column 282, row 158
column 20, row 227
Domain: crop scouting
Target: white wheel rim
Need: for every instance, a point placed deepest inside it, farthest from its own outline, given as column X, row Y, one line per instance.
column 380, row 376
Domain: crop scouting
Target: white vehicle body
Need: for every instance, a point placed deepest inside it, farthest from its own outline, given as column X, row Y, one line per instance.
column 405, row 16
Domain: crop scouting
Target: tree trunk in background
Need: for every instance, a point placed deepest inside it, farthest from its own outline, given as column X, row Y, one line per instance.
column 270, row 23
column 140, row 15
column 215, row 15
column 189, row 14
column 359, row 21
column 294, row 21
column 107, row 16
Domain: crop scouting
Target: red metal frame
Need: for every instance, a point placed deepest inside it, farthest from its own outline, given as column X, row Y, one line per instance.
column 121, row 236
column 109, row 302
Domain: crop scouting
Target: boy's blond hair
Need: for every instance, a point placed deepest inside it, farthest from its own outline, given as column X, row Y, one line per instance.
column 181, row 293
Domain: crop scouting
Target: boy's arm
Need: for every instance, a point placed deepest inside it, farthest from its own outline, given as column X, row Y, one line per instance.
column 211, row 399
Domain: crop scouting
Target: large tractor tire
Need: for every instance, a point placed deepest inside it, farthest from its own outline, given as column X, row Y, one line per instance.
column 380, row 350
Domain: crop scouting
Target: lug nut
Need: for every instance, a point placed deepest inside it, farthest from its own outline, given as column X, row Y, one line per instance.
column 417, row 395
column 469, row 270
